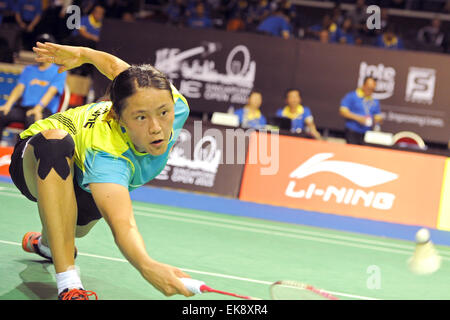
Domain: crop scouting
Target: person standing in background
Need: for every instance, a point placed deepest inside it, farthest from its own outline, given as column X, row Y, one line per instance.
column 361, row 111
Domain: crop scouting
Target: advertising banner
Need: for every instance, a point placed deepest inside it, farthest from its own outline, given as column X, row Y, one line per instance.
column 206, row 159
column 444, row 209
column 212, row 69
column 362, row 182
column 215, row 69
column 411, row 86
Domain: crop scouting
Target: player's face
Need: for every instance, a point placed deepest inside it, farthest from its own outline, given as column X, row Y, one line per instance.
column 255, row 100
column 293, row 98
column 148, row 118
column 98, row 13
column 369, row 87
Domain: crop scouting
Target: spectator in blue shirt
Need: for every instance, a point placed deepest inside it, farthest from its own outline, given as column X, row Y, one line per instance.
column 88, row 36
column 361, row 111
column 39, row 87
column 277, row 24
column 345, row 33
column 250, row 115
column 191, row 7
column 389, row 39
column 301, row 116
column 6, row 11
column 175, row 11
column 327, row 25
column 290, row 11
column 90, row 26
column 28, row 14
column 257, row 12
column 199, row 19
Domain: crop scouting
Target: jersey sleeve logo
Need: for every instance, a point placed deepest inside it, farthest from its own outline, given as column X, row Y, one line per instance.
column 91, row 121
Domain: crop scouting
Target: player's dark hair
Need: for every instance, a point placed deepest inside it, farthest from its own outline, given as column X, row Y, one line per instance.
column 368, row 78
column 126, row 83
column 286, row 92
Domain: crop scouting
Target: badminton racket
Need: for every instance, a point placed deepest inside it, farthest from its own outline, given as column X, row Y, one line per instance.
column 280, row 290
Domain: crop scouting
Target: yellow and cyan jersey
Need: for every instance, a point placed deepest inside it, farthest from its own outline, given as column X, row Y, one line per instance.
column 104, row 152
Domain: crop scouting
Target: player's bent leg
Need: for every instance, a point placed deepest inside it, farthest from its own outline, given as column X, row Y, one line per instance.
column 48, row 172
column 48, row 167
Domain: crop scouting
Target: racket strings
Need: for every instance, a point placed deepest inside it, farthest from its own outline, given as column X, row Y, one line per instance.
column 291, row 290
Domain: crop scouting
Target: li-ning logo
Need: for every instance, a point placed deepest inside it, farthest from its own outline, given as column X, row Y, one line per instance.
column 361, row 175
column 420, row 85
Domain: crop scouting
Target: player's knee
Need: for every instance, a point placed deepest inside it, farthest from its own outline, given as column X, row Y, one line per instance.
column 51, row 149
column 54, row 134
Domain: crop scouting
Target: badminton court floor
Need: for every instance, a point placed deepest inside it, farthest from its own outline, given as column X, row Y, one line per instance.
column 230, row 253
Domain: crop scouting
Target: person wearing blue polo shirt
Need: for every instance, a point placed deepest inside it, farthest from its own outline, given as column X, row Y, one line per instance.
column 40, row 87
column 389, row 39
column 326, row 27
column 28, row 14
column 277, row 24
column 361, row 111
column 301, row 116
column 199, row 18
column 90, row 26
column 345, row 33
column 250, row 115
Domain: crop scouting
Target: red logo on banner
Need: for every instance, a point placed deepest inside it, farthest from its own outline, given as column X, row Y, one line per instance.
column 5, row 160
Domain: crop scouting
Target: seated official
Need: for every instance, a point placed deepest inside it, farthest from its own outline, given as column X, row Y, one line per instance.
column 361, row 111
column 250, row 115
column 39, row 87
column 301, row 116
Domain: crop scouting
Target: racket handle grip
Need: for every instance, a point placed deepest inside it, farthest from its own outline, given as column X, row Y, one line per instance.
column 193, row 285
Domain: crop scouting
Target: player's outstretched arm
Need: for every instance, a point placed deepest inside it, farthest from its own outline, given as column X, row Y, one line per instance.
column 113, row 201
column 70, row 57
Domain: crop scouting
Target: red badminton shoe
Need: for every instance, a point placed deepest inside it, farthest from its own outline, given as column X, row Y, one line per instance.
column 30, row 244
column 76, row 294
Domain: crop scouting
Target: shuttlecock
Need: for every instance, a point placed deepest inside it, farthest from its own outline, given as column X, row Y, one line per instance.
column 425, row 259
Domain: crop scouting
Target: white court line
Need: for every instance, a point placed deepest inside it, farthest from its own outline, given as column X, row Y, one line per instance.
column 298, row 234
column 277, row 228
column 281, row 234
column 190, row 216
column 218, row 275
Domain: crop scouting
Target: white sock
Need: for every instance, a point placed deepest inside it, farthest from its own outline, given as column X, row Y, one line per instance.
column 68, row 280
column 45, row 250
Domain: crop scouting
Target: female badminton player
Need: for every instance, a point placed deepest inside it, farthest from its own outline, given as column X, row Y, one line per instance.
column 81, row 164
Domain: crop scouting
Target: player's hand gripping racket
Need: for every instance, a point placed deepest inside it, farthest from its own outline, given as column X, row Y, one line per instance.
column 280, row 290
column 198, row 287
